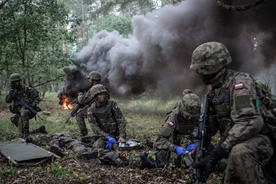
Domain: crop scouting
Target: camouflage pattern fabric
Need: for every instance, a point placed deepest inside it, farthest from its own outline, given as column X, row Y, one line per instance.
column 209, row 58
column 237, row 106
column 106, row 120
column 31, row 97
column 235, row 103
column 175, row 132
column 80, row 118
column 111, row 157
column 66, row 141
column 94, row 75
column 87, row 99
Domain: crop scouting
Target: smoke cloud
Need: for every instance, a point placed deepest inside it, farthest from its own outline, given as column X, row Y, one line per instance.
column 157, row 55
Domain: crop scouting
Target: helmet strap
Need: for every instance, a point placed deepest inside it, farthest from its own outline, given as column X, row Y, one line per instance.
column 219, row 78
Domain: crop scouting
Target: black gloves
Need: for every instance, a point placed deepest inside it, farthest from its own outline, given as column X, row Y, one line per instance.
column 208, row 164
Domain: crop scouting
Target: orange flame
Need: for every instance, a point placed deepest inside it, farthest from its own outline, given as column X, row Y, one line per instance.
column 67, row 103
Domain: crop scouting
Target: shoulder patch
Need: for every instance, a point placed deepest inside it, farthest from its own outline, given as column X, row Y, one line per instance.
column 239, row 86
column 170, row 124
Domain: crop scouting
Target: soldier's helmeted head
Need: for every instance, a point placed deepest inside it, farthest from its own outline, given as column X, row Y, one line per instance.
column 15, row 79
column 186, row 91
column 94, row 77
column 209, row 59
column 99, row 93
column 190, row 105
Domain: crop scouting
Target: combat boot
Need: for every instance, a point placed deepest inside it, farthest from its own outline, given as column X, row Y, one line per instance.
column 150, row 163
column 83, row 132
column 89, row 154
column 41, row 129
column 56, row 150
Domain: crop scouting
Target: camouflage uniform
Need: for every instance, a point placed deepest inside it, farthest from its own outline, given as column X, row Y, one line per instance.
column 177, row 129
column 29, row 95
column 86, row 100
column 60, row 140
column 235, row 103
column 105, row 119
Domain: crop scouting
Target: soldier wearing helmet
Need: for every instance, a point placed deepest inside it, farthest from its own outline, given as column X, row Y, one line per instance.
column 94, row 78
column 19, row 92
column 175, row 133
column 235, row 105
column 106, row 119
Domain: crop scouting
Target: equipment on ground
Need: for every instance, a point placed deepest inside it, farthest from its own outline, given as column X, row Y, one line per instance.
column 19, row 152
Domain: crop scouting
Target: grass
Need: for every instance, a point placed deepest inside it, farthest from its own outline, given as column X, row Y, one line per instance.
column 144, row 116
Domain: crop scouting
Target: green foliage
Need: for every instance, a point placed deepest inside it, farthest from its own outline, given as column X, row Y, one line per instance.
column 143, row 142
column 110, row 23
column 10, row 171
column 32, row 35
column 59, row 171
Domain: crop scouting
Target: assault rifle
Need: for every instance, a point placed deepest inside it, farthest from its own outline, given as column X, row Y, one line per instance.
column 203, row 140
column 75, row 110
column 25, row 104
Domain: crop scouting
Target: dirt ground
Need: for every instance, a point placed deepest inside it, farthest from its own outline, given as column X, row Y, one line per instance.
column 70, row 169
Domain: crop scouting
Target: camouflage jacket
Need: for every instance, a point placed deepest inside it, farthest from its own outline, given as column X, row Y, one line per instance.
column 176, row 131
column 29, row 95
column 235, row 104
column 107, row 120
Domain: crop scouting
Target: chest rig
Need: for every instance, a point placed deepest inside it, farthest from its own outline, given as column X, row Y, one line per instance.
column 106, row 118
column 221, row 101
column 22, row 94
column 183, row 126
column 220, row 97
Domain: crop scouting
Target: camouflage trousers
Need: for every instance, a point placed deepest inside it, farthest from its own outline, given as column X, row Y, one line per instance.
column 246, row 160
column 23, row 122
column 80, row 118
column 99, row 143
column 170, row 157
column 66, row 141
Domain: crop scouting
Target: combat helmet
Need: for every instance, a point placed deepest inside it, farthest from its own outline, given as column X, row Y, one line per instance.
column 97, row 89
column 186, row 91
column 15, row 77
column 209, row 58
column 190, row 105
column 94, row 75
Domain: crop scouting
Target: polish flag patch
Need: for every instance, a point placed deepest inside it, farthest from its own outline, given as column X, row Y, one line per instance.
column 239, row 86
column 170, row 124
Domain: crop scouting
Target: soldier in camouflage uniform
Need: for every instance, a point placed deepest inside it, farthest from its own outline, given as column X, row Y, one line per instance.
column 177, row 130
column 59, row 141
column 235, row 102
column 22, row 115
column 85, row 100
column 105, row 118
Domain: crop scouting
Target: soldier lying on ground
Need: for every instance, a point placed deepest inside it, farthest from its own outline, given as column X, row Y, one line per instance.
column 61, row 143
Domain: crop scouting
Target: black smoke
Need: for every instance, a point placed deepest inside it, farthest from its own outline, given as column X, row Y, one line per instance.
column 157, row 55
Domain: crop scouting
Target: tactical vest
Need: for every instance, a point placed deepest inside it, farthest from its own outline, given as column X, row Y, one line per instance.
column 220, row 97
column 21, row 93
column 183, row 126
column 221, row 105
column 105, row 118
column 221, row 102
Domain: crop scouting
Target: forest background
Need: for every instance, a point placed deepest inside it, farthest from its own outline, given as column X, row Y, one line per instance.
column 43, row 40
